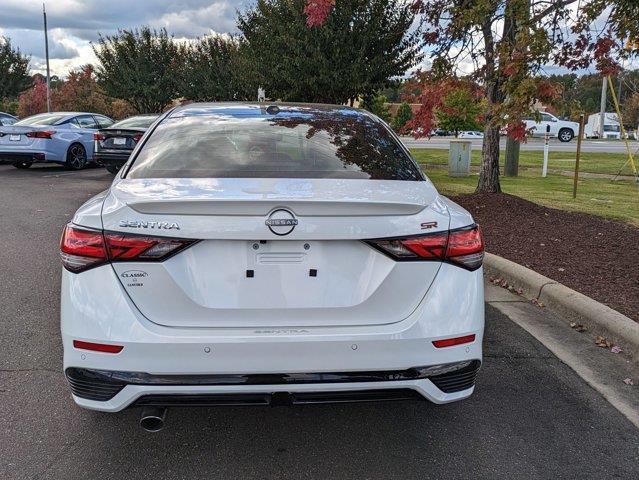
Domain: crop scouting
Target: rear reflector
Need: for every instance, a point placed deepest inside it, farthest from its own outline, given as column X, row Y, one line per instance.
column 449, row 342
column 82, row 249
column 464, row 247
column 97, row 347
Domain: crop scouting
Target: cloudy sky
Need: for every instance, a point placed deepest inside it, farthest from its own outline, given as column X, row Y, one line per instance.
column 73, row 24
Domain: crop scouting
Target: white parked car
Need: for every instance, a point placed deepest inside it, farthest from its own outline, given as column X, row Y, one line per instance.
column 251, row 255
column 471, row 134
column 564, row 130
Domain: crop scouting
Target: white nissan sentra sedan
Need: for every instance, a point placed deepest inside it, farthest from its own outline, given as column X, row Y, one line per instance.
column 253, row 254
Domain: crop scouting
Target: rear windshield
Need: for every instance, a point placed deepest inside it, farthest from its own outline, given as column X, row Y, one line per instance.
column 319, row 144
column 42, row 119
column 135, row 122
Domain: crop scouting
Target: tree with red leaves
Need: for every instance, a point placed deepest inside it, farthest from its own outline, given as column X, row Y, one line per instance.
column 80, row 92
column 507, row 43
column 455, row 101
column 34, row 99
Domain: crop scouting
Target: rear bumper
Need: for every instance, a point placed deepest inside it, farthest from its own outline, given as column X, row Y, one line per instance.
column 93, row 388
column 111, row 159
column 452, row 307
column 31, row 153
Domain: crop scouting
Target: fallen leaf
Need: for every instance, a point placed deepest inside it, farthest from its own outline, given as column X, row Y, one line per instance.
column 561, row 269
column 578, row 327
column 616, row 349
column 628, row 381
column 537, row 303
column 602, row 342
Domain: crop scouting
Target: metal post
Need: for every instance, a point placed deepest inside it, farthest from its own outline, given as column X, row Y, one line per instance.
column 602, row 107
column 544, row 170
column 46, row 52
column 581, row 133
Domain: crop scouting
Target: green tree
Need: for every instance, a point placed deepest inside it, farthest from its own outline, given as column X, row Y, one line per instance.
column 404, row 115
column 14, row 70
column 361, row 46
column 378, row 105
column 217, row 69
column 459, row 111
column 143, row 67
column 630, row 111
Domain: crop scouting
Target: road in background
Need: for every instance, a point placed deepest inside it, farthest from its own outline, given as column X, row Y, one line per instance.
column 530, row 417
column 602, row 146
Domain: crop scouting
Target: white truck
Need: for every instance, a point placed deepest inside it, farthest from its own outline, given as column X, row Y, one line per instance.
column 611, row 128
column 564, row 130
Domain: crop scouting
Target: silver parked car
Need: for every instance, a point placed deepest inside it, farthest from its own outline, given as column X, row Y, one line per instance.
column 59, row 137
column 7, row 119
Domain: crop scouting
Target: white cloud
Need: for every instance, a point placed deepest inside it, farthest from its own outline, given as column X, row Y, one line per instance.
column 73, row 24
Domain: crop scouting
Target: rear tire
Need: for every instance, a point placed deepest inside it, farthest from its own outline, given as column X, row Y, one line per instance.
column 23, row 164
column 566, row 135
column 76, row 157
column 112, row 169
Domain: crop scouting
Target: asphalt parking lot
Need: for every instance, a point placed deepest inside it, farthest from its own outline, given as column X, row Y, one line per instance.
column 530, row 417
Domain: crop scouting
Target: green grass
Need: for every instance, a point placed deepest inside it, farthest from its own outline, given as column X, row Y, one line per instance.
column 617, row 200
column 591, row 162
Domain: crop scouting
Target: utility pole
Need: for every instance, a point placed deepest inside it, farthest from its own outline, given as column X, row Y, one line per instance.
column 602, row 107
column 46, row 53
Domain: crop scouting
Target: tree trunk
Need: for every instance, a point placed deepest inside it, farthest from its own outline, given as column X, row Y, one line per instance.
column 511, row 165
column 489, row 173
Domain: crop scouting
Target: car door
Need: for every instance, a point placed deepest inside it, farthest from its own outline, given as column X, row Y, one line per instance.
column 548, row 120
column 87, row 125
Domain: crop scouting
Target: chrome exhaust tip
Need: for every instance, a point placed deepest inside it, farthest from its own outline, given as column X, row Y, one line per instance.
column 152, row 418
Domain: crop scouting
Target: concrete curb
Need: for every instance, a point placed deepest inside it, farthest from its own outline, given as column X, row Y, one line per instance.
column 569, row 304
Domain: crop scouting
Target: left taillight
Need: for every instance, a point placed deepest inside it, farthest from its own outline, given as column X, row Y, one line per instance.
column 40, row 134
column 464, row 247
column 81, row 249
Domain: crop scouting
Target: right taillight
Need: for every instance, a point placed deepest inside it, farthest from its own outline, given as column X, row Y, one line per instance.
column 81, row 249
column 463, row 247
column 99, row 136
column 466, row 247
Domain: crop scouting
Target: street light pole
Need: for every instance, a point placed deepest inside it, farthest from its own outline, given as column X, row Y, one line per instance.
column 46, row 53
column 602, row 106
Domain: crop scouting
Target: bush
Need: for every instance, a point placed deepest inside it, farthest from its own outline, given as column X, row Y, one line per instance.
column 404, row 114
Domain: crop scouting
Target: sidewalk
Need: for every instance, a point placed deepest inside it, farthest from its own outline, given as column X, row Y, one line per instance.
column 599, row 367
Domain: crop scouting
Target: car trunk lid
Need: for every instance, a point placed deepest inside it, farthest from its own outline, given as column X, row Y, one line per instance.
column 247, row 272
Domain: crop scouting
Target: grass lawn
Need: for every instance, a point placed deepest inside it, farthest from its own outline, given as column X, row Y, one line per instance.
column 592, row 162
column 617, row 200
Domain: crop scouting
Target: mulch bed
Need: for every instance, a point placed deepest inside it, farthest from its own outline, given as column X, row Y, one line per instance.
column 595, row 256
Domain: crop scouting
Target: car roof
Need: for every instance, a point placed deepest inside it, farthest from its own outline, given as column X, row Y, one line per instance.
column 8, row 115
column 255, row 109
